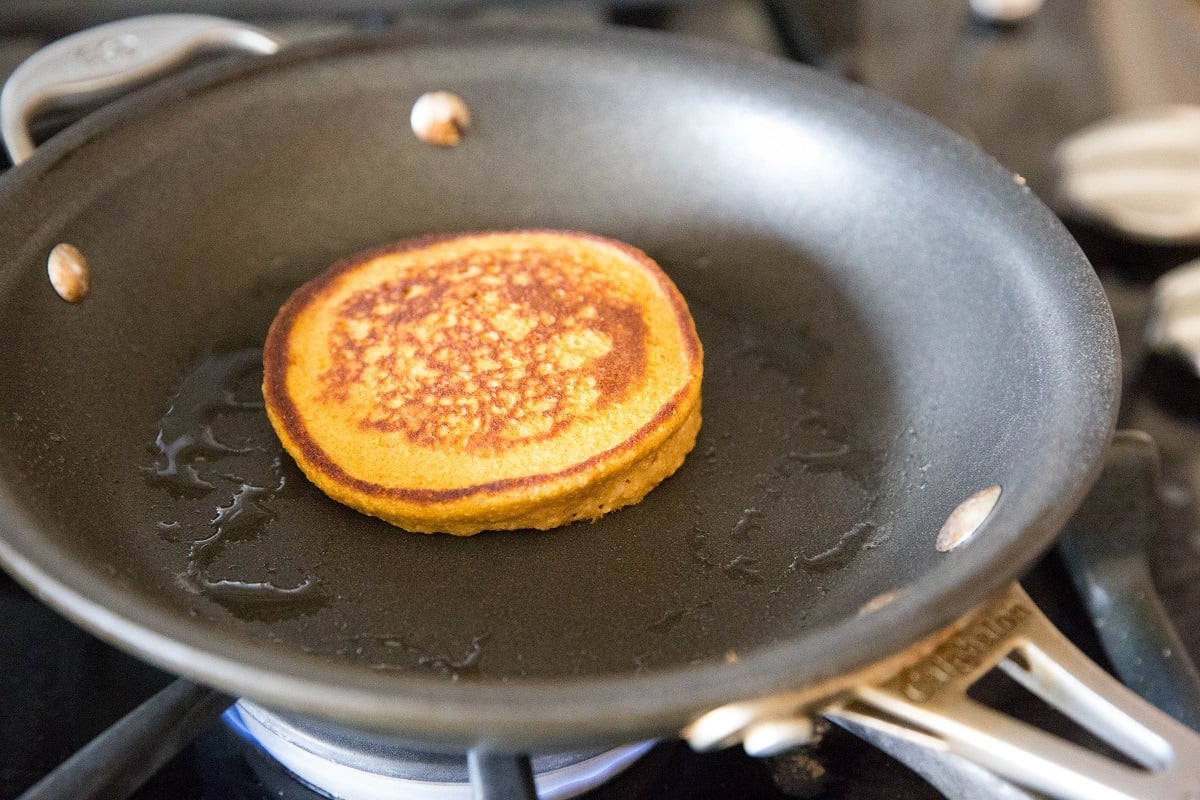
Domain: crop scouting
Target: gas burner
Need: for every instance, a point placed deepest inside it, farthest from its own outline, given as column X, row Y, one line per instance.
column 349, row 765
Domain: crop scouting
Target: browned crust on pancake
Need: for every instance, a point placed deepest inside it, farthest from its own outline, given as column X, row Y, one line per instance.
column 493, row 326
column 276, row 356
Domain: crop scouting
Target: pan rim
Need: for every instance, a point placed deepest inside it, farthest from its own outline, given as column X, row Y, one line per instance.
column 532, row 712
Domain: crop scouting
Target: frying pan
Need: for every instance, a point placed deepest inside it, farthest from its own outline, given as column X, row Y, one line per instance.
column 891, row 324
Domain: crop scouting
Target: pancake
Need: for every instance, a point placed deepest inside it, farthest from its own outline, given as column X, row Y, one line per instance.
column 486, row 381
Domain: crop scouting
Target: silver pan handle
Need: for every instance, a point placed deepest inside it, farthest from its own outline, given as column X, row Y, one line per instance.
column 926, row 703
column 102, row 61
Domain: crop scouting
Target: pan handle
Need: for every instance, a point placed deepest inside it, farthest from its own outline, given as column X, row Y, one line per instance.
column 102, row 61
column 926, row 702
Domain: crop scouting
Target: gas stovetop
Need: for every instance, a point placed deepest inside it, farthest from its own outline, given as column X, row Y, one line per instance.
column 1017, row 90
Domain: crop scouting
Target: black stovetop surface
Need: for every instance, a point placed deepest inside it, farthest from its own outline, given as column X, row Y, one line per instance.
column 1016, row 92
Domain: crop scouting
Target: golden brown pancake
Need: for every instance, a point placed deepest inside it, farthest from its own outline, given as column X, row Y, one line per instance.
column 487, row 381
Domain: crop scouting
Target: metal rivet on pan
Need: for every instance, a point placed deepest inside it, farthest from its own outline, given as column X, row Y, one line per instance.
column 774, row 736
column 440, row 118
column 877, row 602
column 1005, row 12
column 966, row 519
column 68, row 271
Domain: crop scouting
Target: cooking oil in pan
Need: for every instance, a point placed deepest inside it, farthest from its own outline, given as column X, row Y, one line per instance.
column 744, row 568
column 847, row 547
column 185, row 442
column 225, row 490
column 787, row 482
column 750, row 519
column 379, row 651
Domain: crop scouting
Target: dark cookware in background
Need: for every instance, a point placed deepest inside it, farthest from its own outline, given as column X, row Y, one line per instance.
column 891, row 323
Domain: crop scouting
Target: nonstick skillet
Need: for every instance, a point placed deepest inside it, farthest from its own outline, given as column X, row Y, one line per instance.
column 893, row 328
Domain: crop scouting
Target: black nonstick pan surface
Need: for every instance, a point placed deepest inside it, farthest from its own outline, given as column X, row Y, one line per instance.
column 891, row 322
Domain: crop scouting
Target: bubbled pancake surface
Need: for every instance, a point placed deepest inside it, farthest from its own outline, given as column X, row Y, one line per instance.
column 493, row 380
